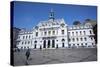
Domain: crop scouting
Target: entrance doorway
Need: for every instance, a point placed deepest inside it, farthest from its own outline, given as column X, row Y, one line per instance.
column 48, row 43
column 53, row 43
column 44, row 44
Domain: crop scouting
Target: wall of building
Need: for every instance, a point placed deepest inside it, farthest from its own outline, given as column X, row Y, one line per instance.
column 59, row 34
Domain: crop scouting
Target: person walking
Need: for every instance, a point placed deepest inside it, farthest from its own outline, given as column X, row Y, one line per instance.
column 27, row 54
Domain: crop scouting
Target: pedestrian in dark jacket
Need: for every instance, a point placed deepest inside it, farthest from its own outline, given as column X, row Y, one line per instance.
column 27, row 54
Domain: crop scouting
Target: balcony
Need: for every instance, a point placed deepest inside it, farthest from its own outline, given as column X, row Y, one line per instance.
column 92, row 35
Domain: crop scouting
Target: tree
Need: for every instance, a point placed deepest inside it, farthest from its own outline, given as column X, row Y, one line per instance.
column 87, row 19
column 76, row 23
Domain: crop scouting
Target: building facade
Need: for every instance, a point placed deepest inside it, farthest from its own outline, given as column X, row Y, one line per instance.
column 55, row 33
column 15, row 36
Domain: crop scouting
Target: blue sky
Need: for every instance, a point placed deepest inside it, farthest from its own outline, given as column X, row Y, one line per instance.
column 28, row 14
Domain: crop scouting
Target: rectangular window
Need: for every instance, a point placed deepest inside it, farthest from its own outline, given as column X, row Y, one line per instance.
column 49, row 32
column 21, row 47
column 23, row 37
column 80, row 33
column 28, row 42
column 18, row 37
column 73, row 33
column 77, row 39
column 41, row 33
column 53, row 32
column 62, row 31
column 68, row 33
column 36, row 33
column 92, row 44
column 76, row 33
column 82, row 44
column 90, row 32
column 45, row 33
column 73, row 44
column 73, row 39
column 57, row 32
column 25, row 42
column 69, row 45
column 31, row 42
column 28, row 47
column 84, row 32
column 77, row 44
column 85, row 39
column 29, row 37
column 24, row 47
column 91, row 38
column 22, row 42
column 69, row 39
column 26, row 37
column 81, row 39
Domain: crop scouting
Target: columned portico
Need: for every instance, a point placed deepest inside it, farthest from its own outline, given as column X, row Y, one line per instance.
column 49, row 43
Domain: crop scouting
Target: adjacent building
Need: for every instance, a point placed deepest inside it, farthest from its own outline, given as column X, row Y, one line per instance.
column 15, row 34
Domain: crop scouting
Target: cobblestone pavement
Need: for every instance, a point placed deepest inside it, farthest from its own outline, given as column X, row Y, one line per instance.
column 51, row 56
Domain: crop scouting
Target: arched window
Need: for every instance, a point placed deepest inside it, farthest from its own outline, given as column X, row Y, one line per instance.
column 62, row 31
column 35, row 41
column 44, row 44
column 48, row 43
column 63, row 40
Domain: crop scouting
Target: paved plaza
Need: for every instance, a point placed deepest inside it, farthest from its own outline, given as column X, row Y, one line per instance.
column 52, row 56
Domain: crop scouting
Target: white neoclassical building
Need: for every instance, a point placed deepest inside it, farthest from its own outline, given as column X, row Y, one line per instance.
column 55, row 33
